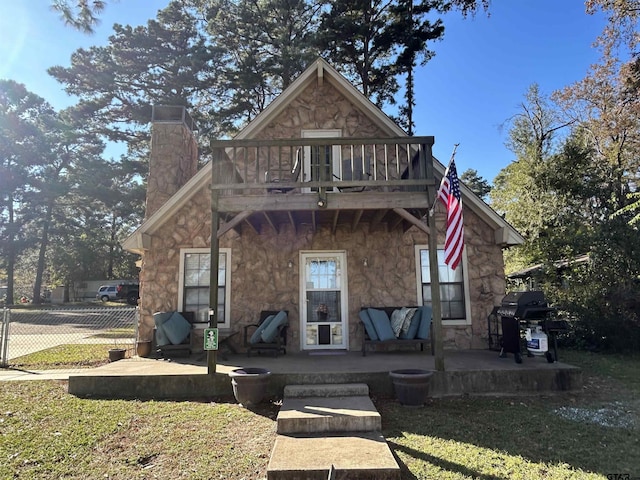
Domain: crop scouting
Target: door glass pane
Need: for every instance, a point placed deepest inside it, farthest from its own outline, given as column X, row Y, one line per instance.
column 336, row 334
column 312, row 334
column 321, row 273
column 323, row 307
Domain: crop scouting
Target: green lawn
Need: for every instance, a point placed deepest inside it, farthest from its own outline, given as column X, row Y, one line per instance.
column 46, row 433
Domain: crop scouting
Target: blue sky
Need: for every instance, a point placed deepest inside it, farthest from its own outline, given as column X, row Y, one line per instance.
column 477, row 80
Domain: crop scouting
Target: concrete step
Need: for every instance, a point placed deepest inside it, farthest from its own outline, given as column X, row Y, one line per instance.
column 354, row 456
column 326, row 390
column 328, row 414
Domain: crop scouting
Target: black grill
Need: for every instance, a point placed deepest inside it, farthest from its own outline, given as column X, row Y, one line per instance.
column 517, row 312
column 525, row 306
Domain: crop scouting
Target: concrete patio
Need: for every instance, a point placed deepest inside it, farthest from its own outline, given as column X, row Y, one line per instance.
column 470, row 372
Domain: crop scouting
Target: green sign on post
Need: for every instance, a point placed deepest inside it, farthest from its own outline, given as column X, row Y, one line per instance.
column 211, row 339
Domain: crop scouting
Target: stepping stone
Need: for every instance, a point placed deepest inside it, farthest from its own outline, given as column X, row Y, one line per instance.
column 356, row 456
column 328, row 414
column 326, row 390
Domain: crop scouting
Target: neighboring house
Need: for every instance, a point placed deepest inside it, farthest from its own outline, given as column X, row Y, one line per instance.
column 532, row 278
column 320, row 200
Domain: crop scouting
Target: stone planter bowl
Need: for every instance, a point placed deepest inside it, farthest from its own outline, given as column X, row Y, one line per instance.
column 143, row 348
column 411, row 386
column 249, row 385
column 116, row 354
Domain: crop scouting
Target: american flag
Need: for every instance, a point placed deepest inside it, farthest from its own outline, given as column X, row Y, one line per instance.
column 449, row 194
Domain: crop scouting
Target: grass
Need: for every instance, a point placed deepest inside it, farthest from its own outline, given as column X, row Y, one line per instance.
column 46, row 433
column 65, row 357
column 69, row 356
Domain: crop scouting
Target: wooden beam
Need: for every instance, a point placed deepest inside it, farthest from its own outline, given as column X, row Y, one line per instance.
column 293, row 221
column 356, row 220
column 417, row 184
column 214, row 259
column 253, row 227
column 271, row 222
column 335, row 201
column 334, row 221
column 314, row 224
column 411, row 219
column 438, row 341
column 233, row 223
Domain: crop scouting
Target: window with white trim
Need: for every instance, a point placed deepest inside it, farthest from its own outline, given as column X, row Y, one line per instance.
column 454, row 288
column 195, row 269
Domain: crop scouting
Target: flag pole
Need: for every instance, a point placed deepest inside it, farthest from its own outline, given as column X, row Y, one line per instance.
column 446, row 172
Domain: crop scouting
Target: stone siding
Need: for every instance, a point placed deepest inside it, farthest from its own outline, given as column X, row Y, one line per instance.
column 173, row 161
column 262, row 280
column 320, row 108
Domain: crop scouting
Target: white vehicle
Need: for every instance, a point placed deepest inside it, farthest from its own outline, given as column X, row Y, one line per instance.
column 107, row 292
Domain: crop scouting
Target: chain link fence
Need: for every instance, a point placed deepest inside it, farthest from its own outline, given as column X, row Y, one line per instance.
column 65, row 338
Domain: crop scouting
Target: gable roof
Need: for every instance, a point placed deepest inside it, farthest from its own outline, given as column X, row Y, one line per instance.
column 318, row 71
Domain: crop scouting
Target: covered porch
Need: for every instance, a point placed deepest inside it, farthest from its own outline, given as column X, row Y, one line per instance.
column 468, row 372
column 292, row 186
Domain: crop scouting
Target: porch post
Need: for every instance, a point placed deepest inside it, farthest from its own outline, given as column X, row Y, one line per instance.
column 436, row 307
column 212, row 355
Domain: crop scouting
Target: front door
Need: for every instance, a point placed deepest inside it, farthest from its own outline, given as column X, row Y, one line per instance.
column 323, row 312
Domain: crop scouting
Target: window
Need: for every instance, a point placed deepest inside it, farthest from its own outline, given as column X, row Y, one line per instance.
column 454, row 299
column 195, row 268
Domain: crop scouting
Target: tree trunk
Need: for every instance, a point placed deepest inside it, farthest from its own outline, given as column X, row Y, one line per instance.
column 11, row 252
column 44, row 243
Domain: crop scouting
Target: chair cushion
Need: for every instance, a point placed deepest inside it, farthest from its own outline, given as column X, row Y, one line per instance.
column 413, row 327
column 177, row 328
column 368, row 325
column 425, row 323
column 160, row 318
column 381, row 323
column 161, row 337
column 271, row 331
column 257, row 335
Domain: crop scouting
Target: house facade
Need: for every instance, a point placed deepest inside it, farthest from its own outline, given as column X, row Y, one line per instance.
column 318, row 207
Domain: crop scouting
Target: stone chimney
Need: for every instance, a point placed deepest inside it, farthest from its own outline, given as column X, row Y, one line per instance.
column 174, row 154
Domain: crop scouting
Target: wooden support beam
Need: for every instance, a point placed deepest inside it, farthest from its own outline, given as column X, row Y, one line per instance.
column 356, row 220
column 214, row 250
column 271, row 222
column 334, row 221
column 253, row 227
column 314, row 224
column 412, row 220
column 293, row 221
column 438, row 341
column 233, row 222
column 335, row 201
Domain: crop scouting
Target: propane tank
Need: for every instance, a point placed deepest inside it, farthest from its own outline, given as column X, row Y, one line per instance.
column 537, row 342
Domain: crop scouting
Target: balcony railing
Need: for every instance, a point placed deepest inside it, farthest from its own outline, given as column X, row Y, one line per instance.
column 306, row 165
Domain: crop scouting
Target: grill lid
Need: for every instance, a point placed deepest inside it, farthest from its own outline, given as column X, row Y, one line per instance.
column 531, row 304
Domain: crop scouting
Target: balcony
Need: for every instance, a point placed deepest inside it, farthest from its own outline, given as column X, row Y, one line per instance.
column 322, row 181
